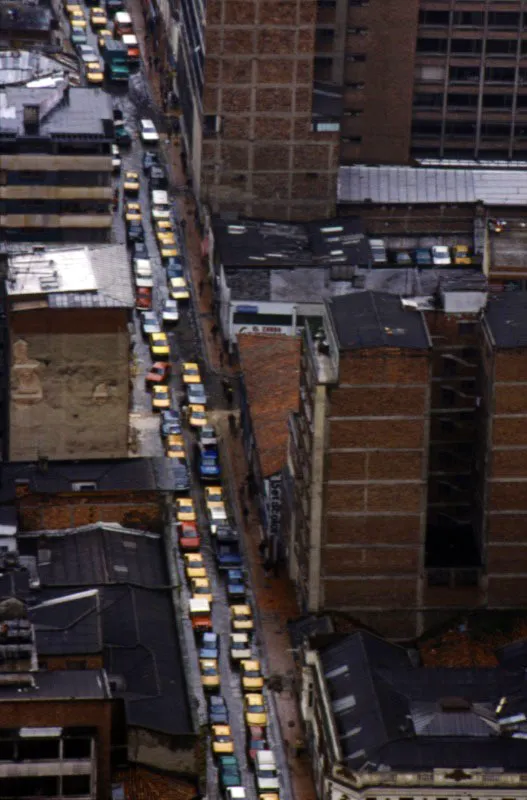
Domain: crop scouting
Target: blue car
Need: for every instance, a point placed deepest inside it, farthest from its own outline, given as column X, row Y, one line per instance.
column 235, row 586
column 209, row 467
column 209, row 646
column 78, row 36
column 218, row 711
column 170, row 421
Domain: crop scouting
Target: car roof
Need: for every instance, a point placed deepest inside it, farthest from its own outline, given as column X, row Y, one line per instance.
column 240, row 637
column 254, row 698
column 251, row 663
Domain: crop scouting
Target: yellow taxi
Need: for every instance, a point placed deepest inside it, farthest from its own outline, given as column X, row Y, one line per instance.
column 178, row 288
column 98, row 18
column 160, row 397
column 213, row 494
column 241, row 619
column 200, row 587
column 174, row 446
column 269, row 796
column 197, row 416
column 254, row 707
column 185, row 512
column 222, row 741
column 131, row 183
column 159, row 346
column 72, row 5
column 251, row 675
column 103, row 35
column 461, row 254
column 165, row 231
column 77, row 18
column 194, row 566
column 190, row 372
column 132, row 212
column 210, row 675
column 94, row 73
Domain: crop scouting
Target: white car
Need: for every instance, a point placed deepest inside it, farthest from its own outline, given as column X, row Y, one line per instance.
column 170, row 311
column 87, row 53
column 148, row 131
column 143, row 273
column 196, row 394
column 441, row 255
column 160, row 205
column 116, row 158
column 240, row 647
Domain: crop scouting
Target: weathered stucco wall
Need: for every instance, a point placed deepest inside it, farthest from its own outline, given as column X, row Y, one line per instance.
column 69, row 390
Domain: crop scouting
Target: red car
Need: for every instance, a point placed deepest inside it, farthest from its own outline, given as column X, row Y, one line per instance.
column 188, row 536
column 159, row 373
column 255, row 741
column 143, row 298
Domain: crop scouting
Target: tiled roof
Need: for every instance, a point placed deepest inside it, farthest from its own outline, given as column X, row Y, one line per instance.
column 143, row 784
column 271, row 368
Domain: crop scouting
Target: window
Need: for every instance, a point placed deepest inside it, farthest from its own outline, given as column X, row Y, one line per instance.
column 466, row 46
column 468, row 18
column 466, row 328
column 38, row 749
column 427, row 17
column 428, row 100
column 76, row 785
column 77, row 748
column 432, row 46
column 211, row 124
column 83, row 486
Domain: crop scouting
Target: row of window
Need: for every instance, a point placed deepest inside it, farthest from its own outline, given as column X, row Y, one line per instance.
column 467, row 129
column 54, row 207
column 493, row 19
column 47, row 147
column 468, row 101
column 41, row 786
column 471, row 74
column 54, row 178
column 472, row 47
column 43, row 749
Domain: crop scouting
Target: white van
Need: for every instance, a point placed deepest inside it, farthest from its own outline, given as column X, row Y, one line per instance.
column 266, row 772
column 160, row 204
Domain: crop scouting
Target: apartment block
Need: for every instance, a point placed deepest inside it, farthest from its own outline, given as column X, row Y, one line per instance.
column 409, row 458
column 55, row 163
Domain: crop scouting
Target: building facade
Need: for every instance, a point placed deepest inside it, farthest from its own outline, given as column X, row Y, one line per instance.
column 55, row 164
column 69, row 376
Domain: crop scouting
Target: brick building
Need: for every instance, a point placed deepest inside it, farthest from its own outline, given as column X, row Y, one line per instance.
column 69, row 374
column 56, row 495
column 409, row 459
column 261, row 137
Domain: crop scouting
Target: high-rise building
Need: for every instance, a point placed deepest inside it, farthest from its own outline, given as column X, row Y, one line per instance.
column 427, row 78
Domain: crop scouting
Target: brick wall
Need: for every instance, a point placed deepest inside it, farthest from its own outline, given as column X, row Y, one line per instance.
column 266, row 161
column 139, row 510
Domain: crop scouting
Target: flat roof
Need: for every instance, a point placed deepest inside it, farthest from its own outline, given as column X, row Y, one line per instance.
column 257, row 244
column 376, row 319
column 63, row 111
column 433, row 185
column 273, row 362
column 23, row 67
column 506, row 317
column 71, row 684
column 71, row 277
column 23, row 16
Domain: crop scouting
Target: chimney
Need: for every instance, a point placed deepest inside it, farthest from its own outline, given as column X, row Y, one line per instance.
column 31, row 119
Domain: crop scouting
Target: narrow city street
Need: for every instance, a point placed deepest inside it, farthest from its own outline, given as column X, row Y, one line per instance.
column 190, row 340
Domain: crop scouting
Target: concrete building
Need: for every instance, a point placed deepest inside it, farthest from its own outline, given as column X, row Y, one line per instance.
column 261, row 137
column 69, row 379
column 380, row 725
column 55, row 162
column 24, row 23
column 274, row 362
column 426, row 79
column 55, row 730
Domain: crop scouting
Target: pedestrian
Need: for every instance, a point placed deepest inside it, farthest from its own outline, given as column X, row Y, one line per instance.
column 232, row 424
column 230, row 396
column 224, row 382
column 201, row 284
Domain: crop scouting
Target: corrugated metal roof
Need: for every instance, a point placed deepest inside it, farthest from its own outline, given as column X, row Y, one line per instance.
column 393, row 185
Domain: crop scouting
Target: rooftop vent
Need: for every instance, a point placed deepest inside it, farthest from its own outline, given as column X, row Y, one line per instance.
column 456, row 704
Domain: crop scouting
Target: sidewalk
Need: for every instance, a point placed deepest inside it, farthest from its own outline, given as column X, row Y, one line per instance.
column 274, row 597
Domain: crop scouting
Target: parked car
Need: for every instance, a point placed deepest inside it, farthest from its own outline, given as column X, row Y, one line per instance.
column 98, row 18
column 150, row 323
column 378, row 252
column 148, row 132
column 241, row 619
column 194, row 566
column 208, row 467
column 461, row 254
column 86, row 52
column 222, row 742
column 170, row 313
column 122, row 135
column 185, row 512
column 402, row 258
column 178, row 289
column 175, row 446
column 188, row 536
column 160, row 397
column 160, row 205
column 423, row 257
column 170, row 420
column 143, row 298
column 132, row 212
column 200, row 615
column 210, row 674
column 209, row 645
column 190, row 372
column 196, row 394
column 235, row 587
column 158, row 373
column 150, row 160
column 255, row 711
column 200, row 587
column 131, row 183
column 140, row 250
column 207, row 434
column 266, row 772
column 218, row 711
column 239, row 647
column 197, row 416
column 251, row 676
column 256, row 741
column 134, row 232
column 441, row 255
column 159, row 346
column 116, row 158
column 229, row 774
column 158, row 177
column 78, row 36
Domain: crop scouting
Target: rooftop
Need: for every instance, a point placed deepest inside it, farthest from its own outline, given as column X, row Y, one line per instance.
column 18, row 16
column 140, row 783
column 257, row 243
column 274, row 362
column 71, row 684
column 62, row 111
column 506, row 318
column 391, row 714
column 393, row 185
column 124, row 601
column 27, row 67
column 376, row 319
column 72, row 277
column 54, row 477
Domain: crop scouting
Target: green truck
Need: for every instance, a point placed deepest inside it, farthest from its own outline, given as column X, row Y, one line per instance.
column 115, row 57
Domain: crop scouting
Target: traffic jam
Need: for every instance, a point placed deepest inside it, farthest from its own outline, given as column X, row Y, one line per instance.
column 215, row 597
